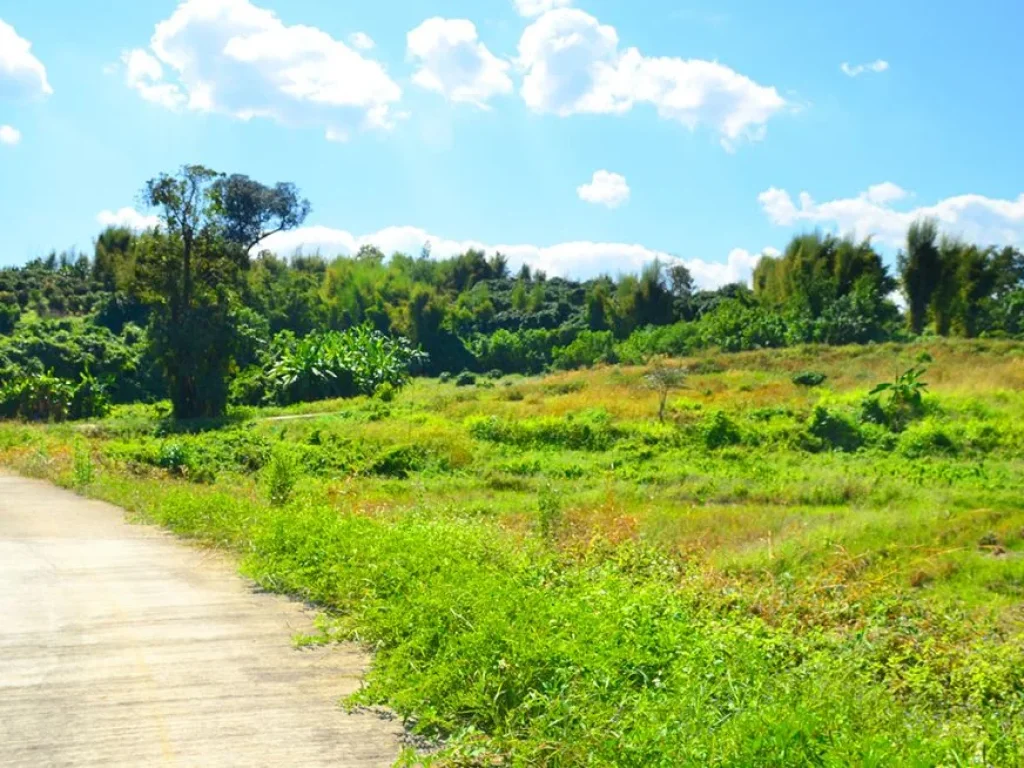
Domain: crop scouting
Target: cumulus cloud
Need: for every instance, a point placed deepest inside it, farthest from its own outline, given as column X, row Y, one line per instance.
column 606, row 188
column 531, row 8
column 872, row 214
column 144, row 73
column 21, row 73
column 573, row 64
column 453, row 62
column 9, row 135
column 361, row 41
column 127, row 217
column 580, row 259
column 856, row 70
column 235, row 58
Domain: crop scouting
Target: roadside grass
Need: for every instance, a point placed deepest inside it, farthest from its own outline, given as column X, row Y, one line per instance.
column 554, row 578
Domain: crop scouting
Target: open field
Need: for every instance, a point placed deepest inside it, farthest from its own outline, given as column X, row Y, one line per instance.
column 548, row 575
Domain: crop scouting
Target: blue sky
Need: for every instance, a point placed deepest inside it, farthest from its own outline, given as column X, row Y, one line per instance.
column 583, row 136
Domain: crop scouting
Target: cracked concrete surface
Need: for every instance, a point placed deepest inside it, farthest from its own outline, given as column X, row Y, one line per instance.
column 121, row 646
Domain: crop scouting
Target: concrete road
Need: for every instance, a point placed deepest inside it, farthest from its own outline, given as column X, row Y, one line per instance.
column 120, row 646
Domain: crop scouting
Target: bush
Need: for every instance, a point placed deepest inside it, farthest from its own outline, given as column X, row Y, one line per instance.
column 587, row 432
column 445, row 377
column 809, row 379
column 830, row 431
column 281, row 477
column 495, row 374
column 90, row 399
column 720, row 431
column 385, row 392
column 37, row 398
column 465, row 379
column 587, row 349
column 337, row 364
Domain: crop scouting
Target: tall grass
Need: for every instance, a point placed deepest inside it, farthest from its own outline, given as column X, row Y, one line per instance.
column 559, row 579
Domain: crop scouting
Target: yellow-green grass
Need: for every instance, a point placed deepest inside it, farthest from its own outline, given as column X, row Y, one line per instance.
column 552, row 576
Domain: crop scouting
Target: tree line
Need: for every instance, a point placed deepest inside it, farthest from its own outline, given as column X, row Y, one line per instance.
column 194, row 310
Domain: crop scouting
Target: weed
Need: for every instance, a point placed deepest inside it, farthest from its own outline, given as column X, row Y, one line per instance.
column 84, row 472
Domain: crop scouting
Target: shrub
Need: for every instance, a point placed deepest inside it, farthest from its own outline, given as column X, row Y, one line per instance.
column 587, row 349
column 719, row 431
column 549, row 512
column 385, row 392
column 905, row 397
column 830, row 431
column 338, row 364
column 669, row 340
column 83, row 472
column 445, row 377
column 495, row 373
column 873, row 412
column 586, row 432
column 465, row 379
column 37, row 398
column 281, row 476
column 809, row 379
column 90, row 399
column 396, row 461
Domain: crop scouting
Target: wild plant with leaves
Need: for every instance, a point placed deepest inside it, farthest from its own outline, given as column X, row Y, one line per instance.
column 339, row 364
column 905, row 396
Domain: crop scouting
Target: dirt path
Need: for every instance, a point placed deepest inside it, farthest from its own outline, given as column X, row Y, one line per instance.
column 121, row 646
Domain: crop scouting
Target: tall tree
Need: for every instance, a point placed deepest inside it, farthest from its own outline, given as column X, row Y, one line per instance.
column 190, row 269
column 920, row 267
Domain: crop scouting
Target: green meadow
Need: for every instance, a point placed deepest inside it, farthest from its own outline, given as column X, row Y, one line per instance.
column 785, row 569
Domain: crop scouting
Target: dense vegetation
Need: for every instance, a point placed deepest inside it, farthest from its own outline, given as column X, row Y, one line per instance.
column 814, row 557
column 187, row 311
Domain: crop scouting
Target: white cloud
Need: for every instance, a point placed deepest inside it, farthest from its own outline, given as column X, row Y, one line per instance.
column 21, row 73
column 606, row 188
column 453, row 62
column 361, row 41
column 975, row 217
column 9, row 135
column 144, row 73
column 127, row 217
column 235, row 58
column 581, row 259
column 855, row 70
column 531, row 8
column 573, row 64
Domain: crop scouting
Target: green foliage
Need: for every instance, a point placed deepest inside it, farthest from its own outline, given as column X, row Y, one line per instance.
column 587, row 432
column 734, row 326
column 549, row 512
column 809, row 379
column 465, row 379
column 815, row 272
column 83, row 471
column 587, row 349
column 828, row 430
column 337, row 364
column 45, row 397
column 720, row 431
column 562, row 581
column 281, row 477
column 905, row 397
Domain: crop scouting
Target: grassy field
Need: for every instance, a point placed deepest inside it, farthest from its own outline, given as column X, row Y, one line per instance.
column 551, row 576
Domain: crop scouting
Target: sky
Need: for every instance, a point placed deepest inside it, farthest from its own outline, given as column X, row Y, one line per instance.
column 580, row 136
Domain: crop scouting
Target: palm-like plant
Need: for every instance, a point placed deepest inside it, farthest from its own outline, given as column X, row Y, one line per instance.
column 906, row 396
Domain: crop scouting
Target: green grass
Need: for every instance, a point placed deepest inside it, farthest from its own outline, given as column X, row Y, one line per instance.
column 552, row 577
